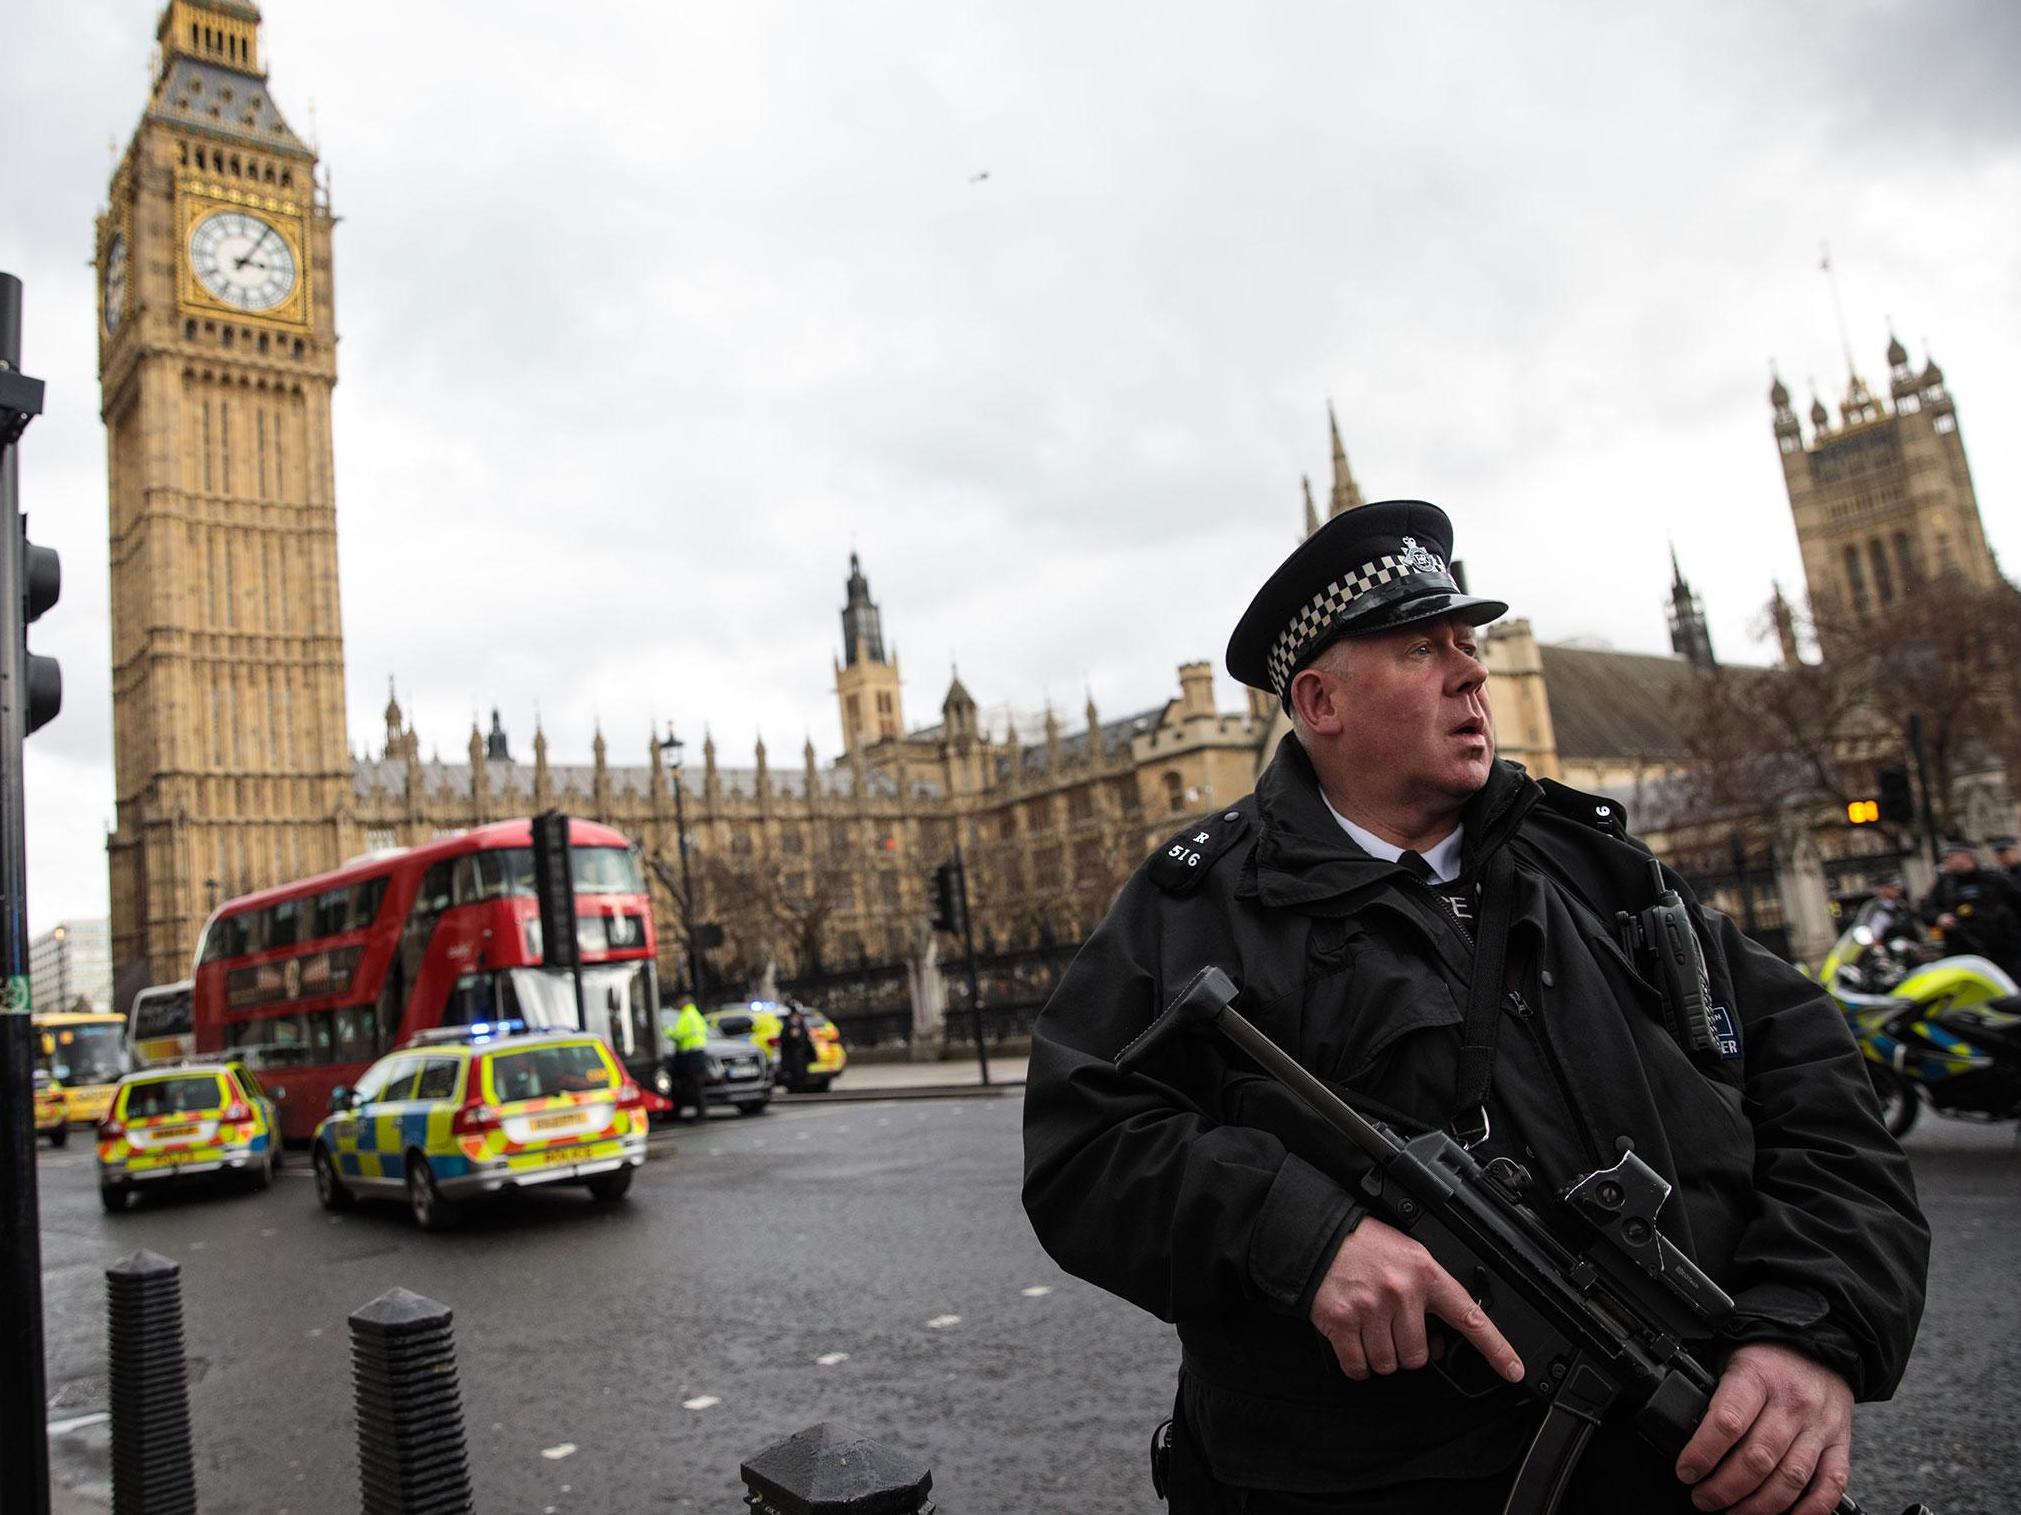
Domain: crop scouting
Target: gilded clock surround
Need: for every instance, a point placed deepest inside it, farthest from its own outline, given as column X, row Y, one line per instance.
column 198, row 199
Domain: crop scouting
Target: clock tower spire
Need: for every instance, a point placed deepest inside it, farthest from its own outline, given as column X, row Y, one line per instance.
column 217, row 356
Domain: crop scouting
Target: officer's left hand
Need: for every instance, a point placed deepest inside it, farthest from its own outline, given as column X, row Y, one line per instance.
column 1777, row 1436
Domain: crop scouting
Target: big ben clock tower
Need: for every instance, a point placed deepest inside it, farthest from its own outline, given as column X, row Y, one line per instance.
column 217, row 356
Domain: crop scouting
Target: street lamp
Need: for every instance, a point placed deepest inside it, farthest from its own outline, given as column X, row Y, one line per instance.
column 672, row 747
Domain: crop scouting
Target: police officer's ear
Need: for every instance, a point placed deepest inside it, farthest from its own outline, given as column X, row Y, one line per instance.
column 1319, row 698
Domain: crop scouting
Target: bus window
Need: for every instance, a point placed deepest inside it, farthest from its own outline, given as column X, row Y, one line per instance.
column 478, row 876
column 435, row 889
column 91, row 1053
column 474, row 998
column 355, row 1033
column 282, row 923
column 605, row 870
column 365, row 901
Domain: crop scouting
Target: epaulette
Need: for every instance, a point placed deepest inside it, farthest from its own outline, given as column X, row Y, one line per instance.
column 1595, row 810
column 1179, row 865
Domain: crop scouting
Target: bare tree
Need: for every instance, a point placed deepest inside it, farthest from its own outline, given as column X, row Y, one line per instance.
column 1948, row 655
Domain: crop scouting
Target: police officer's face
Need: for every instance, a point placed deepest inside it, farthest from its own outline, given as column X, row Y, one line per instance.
column 1418, row 722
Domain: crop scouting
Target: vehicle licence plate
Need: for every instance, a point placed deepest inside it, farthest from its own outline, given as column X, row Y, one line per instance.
column 169, row 1133
column 560, row 1155
column 550, row 1122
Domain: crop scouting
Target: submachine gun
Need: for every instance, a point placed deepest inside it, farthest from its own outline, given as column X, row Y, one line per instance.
column 1596, row 1301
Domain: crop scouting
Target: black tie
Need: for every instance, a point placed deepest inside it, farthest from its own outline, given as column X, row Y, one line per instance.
column 1415, row 865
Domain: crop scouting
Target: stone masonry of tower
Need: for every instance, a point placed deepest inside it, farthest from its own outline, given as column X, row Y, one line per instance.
column 1883, row 501
column 217, row 355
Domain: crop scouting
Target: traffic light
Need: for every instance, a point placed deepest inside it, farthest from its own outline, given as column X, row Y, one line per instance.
column 1863, row 812
column 947, row 897
column 42, row 678
column 1898, row 801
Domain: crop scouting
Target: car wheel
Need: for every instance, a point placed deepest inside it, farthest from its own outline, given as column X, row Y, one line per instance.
column 261, row 1174
column 752, row 1106
column 59, row 1136
column 609, row 1187
column 433, row 1211
column 330, row 1190
column 113, row 1197
column 274, row 1150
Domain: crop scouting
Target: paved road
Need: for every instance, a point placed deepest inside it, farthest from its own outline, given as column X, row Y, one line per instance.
column 666, row 1339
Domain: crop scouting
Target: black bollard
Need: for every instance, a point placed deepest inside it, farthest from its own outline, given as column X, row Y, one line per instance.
column 826, row 1470
column 152, row 1473
column 411, row 1459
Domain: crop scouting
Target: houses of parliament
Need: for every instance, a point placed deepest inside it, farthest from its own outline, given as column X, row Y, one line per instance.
column 234, row 769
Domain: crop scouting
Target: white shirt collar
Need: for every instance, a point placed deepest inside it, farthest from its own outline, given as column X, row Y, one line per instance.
column 1444, row 859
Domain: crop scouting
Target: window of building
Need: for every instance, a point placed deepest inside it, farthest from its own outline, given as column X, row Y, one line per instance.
column 1905, row 559
column 1884, row 574
column 1856, row 579
column 1175, row 790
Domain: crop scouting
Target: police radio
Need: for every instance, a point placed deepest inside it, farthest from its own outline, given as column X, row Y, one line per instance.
column 1660, row 938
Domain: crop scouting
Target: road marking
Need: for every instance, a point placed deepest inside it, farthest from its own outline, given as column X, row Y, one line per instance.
column 830, row 1359
column 701, row 1402
column 942, row 1322
column 1037, row 1291
column 556, row 1454
column 78, row 1422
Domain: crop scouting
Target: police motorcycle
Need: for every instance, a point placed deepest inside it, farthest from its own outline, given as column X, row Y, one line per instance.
column 1946, row 1033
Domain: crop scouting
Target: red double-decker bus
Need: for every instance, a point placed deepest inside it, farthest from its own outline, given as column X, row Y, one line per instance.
column 311, row 981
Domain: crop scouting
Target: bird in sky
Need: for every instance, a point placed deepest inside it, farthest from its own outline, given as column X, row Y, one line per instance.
column 978, row 178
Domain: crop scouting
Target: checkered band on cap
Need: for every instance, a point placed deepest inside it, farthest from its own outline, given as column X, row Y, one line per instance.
column 1324, row 609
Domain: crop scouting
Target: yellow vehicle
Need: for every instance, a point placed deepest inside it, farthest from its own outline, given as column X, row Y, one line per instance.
column 85, row 1052
column 759, row 1019
column 168, row 1125
column 466, row 1111
column 52, row 1115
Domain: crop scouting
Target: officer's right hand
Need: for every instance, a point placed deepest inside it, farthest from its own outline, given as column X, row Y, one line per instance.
column 1374, row 1299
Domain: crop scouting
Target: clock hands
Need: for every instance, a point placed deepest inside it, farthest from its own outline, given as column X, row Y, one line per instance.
column 266, row 231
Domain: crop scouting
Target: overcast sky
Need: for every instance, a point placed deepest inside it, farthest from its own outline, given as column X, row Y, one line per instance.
column 651, row 312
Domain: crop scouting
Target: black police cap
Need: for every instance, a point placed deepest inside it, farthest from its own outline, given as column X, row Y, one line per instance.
column 1368, row 569
column 2002, row 843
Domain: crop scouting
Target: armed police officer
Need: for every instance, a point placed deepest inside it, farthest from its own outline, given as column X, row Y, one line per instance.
column 1977, row 909
column 1345, row 898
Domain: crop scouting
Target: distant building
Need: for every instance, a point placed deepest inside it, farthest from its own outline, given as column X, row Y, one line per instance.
column 217, row 353
column 1884, row 500
column 71, row 962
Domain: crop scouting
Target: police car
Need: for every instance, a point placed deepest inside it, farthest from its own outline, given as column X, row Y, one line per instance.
column 467, row 1111
column 760, row 1020
column 168, row 1125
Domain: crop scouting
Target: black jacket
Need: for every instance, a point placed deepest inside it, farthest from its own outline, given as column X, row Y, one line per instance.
column 1200, row 1191
column 1987, row 907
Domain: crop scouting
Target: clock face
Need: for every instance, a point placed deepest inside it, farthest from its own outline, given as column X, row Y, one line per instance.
column 115, row 281
column 242, row 260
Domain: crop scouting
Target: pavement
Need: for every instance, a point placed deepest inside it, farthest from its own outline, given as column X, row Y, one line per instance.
column 862, row 1080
